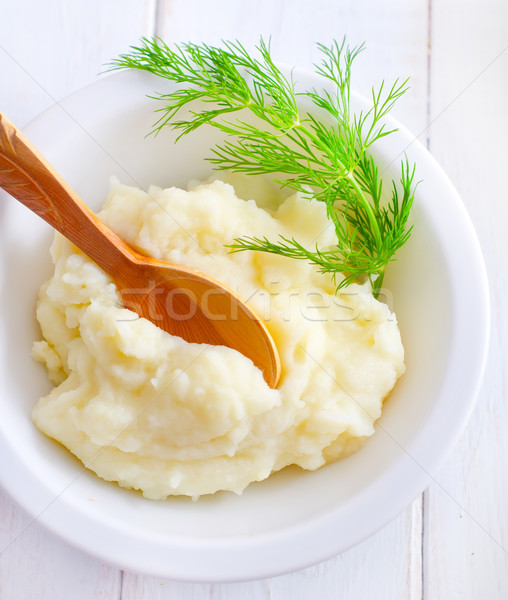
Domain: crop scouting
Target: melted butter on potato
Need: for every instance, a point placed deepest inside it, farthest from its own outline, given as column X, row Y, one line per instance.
column 157, row 414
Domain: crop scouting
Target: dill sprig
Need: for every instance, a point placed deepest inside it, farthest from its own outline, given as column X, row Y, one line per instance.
column 322, row 152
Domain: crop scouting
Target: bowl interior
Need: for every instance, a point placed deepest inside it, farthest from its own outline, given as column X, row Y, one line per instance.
column 421, row 417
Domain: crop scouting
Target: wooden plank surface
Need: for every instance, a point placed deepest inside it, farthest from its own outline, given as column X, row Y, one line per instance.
column 466, row 549
column 456, row 55
column 51, row 48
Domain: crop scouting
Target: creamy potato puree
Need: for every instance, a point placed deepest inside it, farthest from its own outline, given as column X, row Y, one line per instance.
column 157, row 414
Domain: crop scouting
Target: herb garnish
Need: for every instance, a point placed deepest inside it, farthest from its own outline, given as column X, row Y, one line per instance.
column 326, row 159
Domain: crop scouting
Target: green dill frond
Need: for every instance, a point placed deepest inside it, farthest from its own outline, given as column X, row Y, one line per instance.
column 324, row 157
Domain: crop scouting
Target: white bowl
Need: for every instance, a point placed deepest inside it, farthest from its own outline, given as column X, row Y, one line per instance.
column 438, row 290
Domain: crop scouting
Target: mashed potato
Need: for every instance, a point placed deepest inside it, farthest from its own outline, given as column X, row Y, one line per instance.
column 157, row 414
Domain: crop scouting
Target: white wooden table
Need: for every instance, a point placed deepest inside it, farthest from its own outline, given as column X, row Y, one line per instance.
column 453, row 541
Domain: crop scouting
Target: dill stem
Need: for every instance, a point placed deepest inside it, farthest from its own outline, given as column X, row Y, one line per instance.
column 352, row 179
column 368, row 208
column 378, row 284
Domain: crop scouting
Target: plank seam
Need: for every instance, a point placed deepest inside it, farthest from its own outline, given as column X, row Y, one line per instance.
column 157, row 18
column 428, row 124
column 122, row 573
column 429, row 68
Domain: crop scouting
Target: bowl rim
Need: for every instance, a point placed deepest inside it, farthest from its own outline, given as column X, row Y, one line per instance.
column 271, row 554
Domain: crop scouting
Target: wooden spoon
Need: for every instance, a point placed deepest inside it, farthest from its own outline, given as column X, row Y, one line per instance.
column 177, row 299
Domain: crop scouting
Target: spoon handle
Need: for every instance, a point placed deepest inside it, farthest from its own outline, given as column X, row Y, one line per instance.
column 28, row 177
